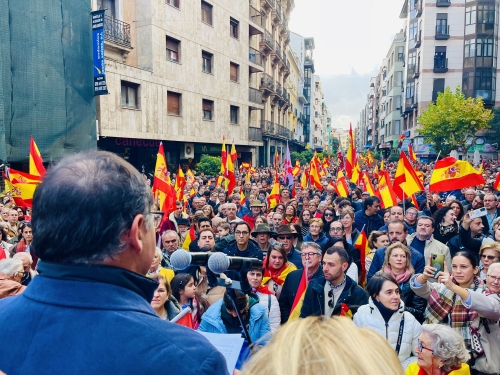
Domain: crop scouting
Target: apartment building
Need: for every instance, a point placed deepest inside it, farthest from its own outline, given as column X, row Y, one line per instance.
column 188, row 72
column 318, row 120
column 297, row 100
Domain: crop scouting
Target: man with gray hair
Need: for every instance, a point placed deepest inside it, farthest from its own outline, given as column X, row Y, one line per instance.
column 11, row 273
column 94, row 232
column 27, row 260
column 171, row 242
column 311, row 258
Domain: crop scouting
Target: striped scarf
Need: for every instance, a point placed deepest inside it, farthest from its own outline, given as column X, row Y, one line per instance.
column 279, row 276
column 445, row 307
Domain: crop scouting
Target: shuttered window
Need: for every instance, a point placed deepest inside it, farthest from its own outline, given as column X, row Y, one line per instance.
column 173, row 103
column 173, row 49
column 233, row 72
column 207, row 106
column 206, row 12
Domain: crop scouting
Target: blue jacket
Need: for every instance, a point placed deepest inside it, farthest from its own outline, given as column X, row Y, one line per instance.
column 408, row 228
column 369, row 223
column 258, row 325
column 295, row 258
column 252, row 251
column 321, row 241
column 68, row 322
column 417, row 261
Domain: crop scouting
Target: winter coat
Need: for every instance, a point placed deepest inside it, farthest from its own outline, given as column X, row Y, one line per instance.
column 258, row 326
column 417, row 261
column 223, row 242
column 172, row 307
column 413, row 304
column 270, row 302
column 252, row 251
column 369, row 223
column 295, row 258
column 314, row 301
column 369, row 316
column 321, row 241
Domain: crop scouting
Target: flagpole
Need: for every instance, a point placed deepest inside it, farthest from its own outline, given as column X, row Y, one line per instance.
column 404, row 205
column 439, row 153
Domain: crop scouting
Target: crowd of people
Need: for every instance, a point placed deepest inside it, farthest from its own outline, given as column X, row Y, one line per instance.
column 436, row 320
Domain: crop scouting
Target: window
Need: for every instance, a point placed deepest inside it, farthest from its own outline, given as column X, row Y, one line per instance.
column 109, row 5
column 484, row 47
column 413, row 30
column 412, row 59
column 173, row 49
column 470, row 20
column 470, row 48
column 399, row 78
column 130, row 95
column 233, row 28
column 174, row 3
column 233, row 72
column 173, row 103
column 410, row 90
column 437, row 87
column 206, row 62
column 208, row 109
column 442, row 24
column 401, row 53
column 440, row 57
column 206, row 13
column 234, row 114
column 398, row 102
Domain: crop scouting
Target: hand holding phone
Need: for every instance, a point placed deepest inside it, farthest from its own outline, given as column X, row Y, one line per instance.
column 437, row 262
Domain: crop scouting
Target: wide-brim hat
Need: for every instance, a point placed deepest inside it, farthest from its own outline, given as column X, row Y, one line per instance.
column 262, row 229
column 182, row 221
column 256, row 203
column 284, row 229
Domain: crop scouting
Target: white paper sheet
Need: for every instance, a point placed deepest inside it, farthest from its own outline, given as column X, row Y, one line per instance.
column 228, row 345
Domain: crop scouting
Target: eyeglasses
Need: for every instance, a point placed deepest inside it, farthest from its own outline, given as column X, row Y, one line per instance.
column 328, row 214
column 285, row 237
column 332, row 229
column 497, row 279
column 245, row 233
column 20, row 273
column 489, row 257
column 421, row 347
column 411, row 214
column 308, row 255
column 158, row 216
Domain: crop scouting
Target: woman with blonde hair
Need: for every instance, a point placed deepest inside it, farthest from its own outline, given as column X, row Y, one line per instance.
column 208, row 211
column 377, row 239
column 315, row 345
column 489, row 253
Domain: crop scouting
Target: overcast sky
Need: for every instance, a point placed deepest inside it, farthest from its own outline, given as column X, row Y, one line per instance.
column 351, row 38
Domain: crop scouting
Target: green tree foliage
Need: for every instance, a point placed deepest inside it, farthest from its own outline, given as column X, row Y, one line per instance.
column 453, row 120
column 210, row 165
column 335, row 146
column 393, row 157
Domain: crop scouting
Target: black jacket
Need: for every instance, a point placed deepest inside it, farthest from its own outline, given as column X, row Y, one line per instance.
column 314, row 301
column 413, row 304
column 456, row 244
column 252, row 251
column 351, row 250
column 289, row 291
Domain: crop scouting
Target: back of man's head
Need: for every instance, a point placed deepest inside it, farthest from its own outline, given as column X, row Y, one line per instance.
column 85, row 204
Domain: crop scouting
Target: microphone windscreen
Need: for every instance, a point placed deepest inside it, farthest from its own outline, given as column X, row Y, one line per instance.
column 218, row 263
column 180, row 259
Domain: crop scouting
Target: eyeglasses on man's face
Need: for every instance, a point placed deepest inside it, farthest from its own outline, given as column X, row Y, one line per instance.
column 335, row 229
column 308, row 255
column 244, row 233
column 285, row 237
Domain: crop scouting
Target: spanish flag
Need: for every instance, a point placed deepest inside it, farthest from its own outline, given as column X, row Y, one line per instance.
column 368, row 186
column 356, row 173
column 230, row 169
column 303, row 181
column 342, row 188
column 22, row 177
column 35, row 160
column 386, row 191
column 191, row 236
column 296, row 169
column 411, row 154
column 345, row 310
column 274, row 197
column 243, row 199
column 22, row 193
column 362, row 245
column 223, row 158
column 299, row 297
column 496, row 185
column 406, row 181
column 351, row 155
column 314, row 173
column 451, row 174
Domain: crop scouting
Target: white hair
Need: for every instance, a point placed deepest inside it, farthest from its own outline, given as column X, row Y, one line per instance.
column 447, row 344
column 11, row 266
column 492, row 267
column 23, row 256
column 159, row 253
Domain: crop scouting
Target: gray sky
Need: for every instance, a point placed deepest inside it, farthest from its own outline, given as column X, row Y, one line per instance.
column 351, row 38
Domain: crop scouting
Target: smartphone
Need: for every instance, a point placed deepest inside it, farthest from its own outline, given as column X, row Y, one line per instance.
column 437, row 262
column 480, row 212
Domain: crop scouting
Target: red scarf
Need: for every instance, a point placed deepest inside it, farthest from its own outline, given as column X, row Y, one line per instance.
column 262, row 289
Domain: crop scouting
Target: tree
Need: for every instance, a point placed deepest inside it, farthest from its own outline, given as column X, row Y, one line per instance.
column 335, row 146
column 453, row 121
column 210, row 165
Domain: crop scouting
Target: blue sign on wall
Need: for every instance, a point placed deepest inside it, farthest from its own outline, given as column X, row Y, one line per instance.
column 100, row 87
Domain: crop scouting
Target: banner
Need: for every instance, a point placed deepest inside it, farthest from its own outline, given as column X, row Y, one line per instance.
column 100, row 87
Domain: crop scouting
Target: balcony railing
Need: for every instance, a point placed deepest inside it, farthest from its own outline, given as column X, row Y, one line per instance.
column 268, row 3
column 279, row 11
column 255, row 134
column 278, row 49
column 279, row 89
column 442, row 32
column 266, row 81
column 283, row 132
column 268, row 39
column 267, row 127
column 256, row 16
column 255, row 56
column 116, row 31
column 254, row 95
column 443, row 3
column 440, row 64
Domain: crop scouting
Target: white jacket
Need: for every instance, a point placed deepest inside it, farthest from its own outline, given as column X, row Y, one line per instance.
column 273, row 314
column 369, row 316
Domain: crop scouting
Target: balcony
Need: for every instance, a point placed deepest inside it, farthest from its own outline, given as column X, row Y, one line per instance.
column 276, row 13
column 255, row 134
column 418, row 39
column 255, row 58
column 267, row 5
column 440, row 64
column 283, row 132
column 267, row 127
column 418, row 8
column 409, row 103
column 256, row 22
column 416, row 73
column 266, row 42
column 276, row 53
column 442, row 32
column 255, row 96
column 266, row 83
column 279, row 90
column 116, row 39
column 443, row 3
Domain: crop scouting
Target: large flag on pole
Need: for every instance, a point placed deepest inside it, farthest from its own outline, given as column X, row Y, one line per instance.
column 362, row 245
column 162, row 185
column 342, row 188
column 386, row 191
column 406, row 181
column 351, row 155
column 314, row 178
column 223, row 164
column 288, row 166
column 274, row 197
column 36, row 167
column 230, row 169
column 411, row 153
column 451, row 174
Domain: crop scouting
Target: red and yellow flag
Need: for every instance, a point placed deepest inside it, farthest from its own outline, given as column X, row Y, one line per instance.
column 411, row 153
column 36, row 167
column 162, row 185
column 303, row 181
column 351, row 155
column 342, row 188
column 371, row 159
column 362, row 245
column 223, row 163
column 296, row 169
column 314, row 177
column 230, row 170
column 451, row 174
column 22, row 177
column 345, row 310
column 356, row 173
column 496, row 185
column 299, row 297
column 180, row 180
column 22, row 193
column 190, row 237
column 369, row 186
column 274, row 197
column 386, row 191
column 406, row 181
column 243, row 199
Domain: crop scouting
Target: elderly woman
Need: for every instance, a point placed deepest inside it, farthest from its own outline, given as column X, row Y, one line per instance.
column 441, row 351
column 489, row 254
column 444, row 306
column 156, row 269
column 276, row 269
column 397, row 263
column 163, row 302
column 385, row 313
column 11, row 274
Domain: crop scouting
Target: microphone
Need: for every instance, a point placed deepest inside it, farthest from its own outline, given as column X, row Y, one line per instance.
column 180, row 259
column 220, row 262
